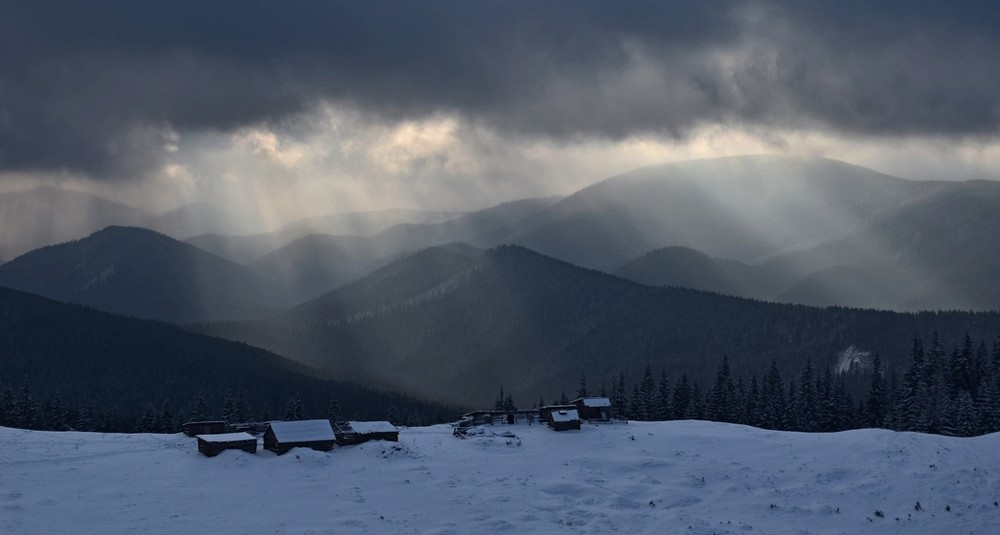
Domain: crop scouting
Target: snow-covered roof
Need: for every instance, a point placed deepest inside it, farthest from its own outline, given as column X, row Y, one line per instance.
column 365, row 428
column 565, row 416
column 303, row 431
column 594, row 402
column 227, row 437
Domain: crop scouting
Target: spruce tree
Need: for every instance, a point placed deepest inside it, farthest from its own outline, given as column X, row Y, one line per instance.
column 875, row 404
column 721, row 403
column 773, row 405
column 200, row 413
column 84, row 418
column 166, row 422
column 914, row 399
column 25, row 413
column 635, row 409
column 6, row 405
column 582, row 391
column 240, row 409
column 147, row 422
column 229, row 408
column 807, row 407
column 681, row 400
column 620, row 401
column 752, row 404
column 647, row 395
column 333, row 411
column 662, row 411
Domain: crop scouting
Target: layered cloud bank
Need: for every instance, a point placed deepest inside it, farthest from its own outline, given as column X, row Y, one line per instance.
column 339, row 106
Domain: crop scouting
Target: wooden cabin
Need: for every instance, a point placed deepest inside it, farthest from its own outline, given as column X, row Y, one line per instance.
column 564, row 420
column 213, row 427
column 314, row 434
column 543, row 412
column 365, row 431
column 214, row 444
column 598, row 409
column 479, row 417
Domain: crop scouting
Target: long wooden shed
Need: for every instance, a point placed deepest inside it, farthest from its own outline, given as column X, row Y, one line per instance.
column 209, row 427
column 212, row 445
column 594, row 408
column 314, row 434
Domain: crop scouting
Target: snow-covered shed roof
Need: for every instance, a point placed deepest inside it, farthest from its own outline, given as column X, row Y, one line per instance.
column 594, row 402
column 366, row 428
column 227, row 437
column 303, row 431
column 565, row 416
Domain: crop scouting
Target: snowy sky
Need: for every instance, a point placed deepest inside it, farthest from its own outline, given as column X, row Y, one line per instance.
column 332, row 106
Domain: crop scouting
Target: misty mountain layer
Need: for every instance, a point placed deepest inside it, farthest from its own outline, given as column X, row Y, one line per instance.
column 452, row 325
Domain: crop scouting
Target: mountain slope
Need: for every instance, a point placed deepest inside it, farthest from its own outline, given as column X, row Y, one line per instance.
column 123, row 364
column 942, row 252
column 688, row 268
column 744, row 208
column 533, row 324
column 317, row 263
column 46, row 215
column 138, row 272
column 353, row 225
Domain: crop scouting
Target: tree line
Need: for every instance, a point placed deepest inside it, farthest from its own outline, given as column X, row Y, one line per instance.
column 21, row 408
column 954, row 393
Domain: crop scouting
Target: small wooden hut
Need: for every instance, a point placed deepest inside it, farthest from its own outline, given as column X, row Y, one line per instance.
column 213, row 427
column 479, row 417
column 365, row 431
column 213, row 444
column 598, row 409
column 564, row 420
column 543, row 412
column 315, row 434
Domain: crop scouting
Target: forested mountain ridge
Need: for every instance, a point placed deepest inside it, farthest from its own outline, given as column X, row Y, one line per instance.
column 45, row 215
column 535, row 324
column 138, row 272
column 119, row 367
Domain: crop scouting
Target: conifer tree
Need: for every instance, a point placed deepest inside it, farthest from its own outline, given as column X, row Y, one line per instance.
column 147, row 423
column 647, row 395
column 914, row 399
column 333, row 411
column 25, row 413
column 620, row 401
column 721, row 403
column 6, row 405
column 681, row 399
column 662, row 411
column 752, row 404
column 240, row 409
column 294, row 409
column 165, row 422
column 635, row 404
column 773, row 404
column 200, row 413
column 84, row 418
column 508, row 404
column 229, row 408
column 582, row 391
column 807, row 413
column 875, row 404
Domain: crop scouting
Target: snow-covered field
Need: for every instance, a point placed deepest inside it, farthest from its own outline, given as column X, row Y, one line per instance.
column 670, row 477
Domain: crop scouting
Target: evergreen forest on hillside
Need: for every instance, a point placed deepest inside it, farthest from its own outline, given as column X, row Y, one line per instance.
column 955, row 394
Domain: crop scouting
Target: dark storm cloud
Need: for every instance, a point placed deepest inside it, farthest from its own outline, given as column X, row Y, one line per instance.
column 92, row 86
